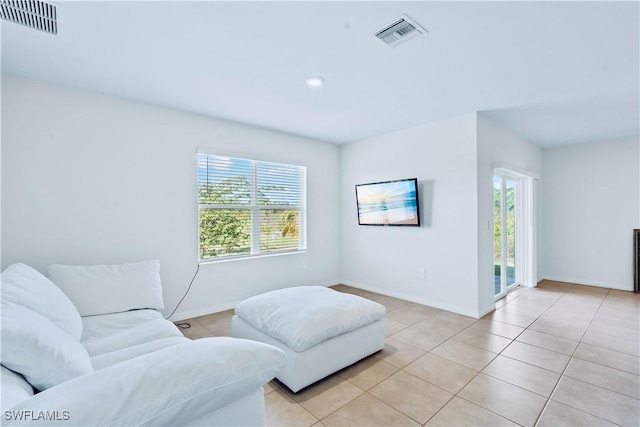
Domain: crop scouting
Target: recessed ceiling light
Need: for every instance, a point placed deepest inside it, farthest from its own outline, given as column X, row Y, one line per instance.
column 314, row 81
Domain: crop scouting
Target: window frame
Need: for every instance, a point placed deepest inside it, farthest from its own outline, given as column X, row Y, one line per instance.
column 255, row 208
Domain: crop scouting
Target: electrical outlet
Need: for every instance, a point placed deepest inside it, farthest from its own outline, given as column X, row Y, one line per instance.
column 422, row 273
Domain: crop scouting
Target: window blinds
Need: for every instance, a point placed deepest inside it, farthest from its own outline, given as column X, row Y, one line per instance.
column 250, row 207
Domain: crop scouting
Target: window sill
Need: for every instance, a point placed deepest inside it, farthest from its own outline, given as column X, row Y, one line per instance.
column 249, row 257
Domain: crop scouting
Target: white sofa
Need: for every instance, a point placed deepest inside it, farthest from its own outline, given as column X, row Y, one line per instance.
column 94, row 350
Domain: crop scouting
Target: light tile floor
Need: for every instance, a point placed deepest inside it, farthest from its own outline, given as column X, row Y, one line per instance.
column 558, row 354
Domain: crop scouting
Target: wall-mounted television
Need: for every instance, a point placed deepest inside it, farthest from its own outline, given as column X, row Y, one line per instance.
column 389, row 203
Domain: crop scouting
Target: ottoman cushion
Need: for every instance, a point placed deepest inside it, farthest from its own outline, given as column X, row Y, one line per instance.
column 304, row 316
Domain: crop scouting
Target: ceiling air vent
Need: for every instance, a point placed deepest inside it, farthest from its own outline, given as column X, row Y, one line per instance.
column 399, row 32
column 32, row 13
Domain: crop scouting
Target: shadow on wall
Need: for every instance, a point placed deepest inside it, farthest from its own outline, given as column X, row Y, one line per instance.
column 425, row 189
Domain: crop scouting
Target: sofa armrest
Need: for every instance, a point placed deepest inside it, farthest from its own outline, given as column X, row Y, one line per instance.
column 168, row 387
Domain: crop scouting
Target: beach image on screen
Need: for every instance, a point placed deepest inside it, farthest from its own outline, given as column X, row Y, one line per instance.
column 388, row 203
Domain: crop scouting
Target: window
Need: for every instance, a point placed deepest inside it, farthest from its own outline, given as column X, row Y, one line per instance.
column 249, row 207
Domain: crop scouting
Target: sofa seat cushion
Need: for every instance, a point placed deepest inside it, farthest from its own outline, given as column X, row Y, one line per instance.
column 111, row 358
column 111, row 332
column 304, row 316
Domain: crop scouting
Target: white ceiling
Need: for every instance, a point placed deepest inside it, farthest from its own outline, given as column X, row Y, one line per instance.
column 553, row 72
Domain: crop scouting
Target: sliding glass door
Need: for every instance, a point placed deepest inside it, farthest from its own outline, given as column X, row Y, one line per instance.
column 504, row 211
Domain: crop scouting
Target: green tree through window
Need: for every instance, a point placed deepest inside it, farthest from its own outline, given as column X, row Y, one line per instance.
column 249, row 207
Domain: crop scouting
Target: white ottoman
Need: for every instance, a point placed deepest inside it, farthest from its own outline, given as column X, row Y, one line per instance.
column 320, row 330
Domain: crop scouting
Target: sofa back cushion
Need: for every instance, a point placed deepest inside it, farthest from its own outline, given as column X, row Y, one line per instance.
column 25, row 286
column 35, row 347
column 14, row 388
column 105, row 289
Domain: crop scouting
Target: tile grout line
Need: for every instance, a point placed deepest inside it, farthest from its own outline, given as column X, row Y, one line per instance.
column 435, row 385
column 478, row 372
column 562, row 375
column 476, row 375
column 512, row 341
column 546, row 405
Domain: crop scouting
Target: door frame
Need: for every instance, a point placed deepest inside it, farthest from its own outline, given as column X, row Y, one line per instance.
column 525, row 226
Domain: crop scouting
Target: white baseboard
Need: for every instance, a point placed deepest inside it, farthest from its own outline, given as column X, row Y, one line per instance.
column 329, row 283
column 203, row 311
column 182, row 315
column 424, row 301
column 598, row 283
column 486, row 310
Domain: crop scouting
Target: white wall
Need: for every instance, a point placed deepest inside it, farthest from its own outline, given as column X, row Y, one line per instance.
column 591, row 205
column 454, row 162
column 442, row 156
column 498, row 145
column 89, row 179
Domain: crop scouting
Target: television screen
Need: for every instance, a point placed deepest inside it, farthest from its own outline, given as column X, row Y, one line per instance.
column 388, row 203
